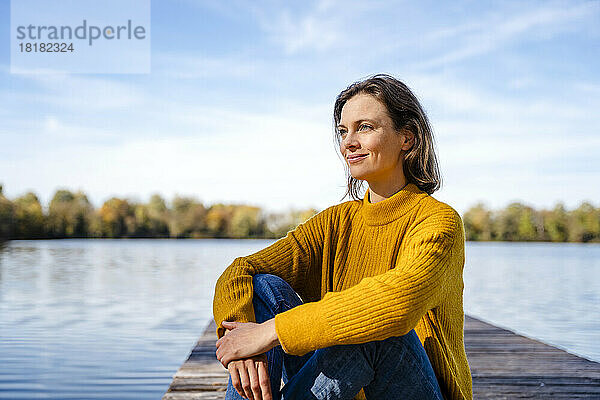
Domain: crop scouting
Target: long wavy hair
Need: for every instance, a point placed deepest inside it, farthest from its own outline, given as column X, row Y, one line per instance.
column 420, row 164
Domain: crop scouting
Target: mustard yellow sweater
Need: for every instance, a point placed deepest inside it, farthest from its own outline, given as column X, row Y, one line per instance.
column 366, row 271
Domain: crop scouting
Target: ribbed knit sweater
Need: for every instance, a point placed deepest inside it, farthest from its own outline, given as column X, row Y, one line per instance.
column 366, row 271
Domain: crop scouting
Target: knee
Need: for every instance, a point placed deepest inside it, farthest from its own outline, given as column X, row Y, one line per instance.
column 260, row 281
column 275, row 290
column 265, row 286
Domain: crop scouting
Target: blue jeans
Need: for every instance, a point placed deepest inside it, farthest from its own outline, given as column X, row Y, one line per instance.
column 394, row 368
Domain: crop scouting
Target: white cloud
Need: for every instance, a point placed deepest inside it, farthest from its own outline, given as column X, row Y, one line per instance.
column 268, row 160
column 325, row 25
column 476, row 38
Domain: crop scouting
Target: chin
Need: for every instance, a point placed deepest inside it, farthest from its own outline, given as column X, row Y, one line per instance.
column 358, row 175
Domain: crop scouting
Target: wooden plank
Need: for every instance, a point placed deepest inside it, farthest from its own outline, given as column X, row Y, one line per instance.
column 503, row 365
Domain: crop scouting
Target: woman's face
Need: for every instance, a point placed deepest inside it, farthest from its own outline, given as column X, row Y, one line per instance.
column 367, row 131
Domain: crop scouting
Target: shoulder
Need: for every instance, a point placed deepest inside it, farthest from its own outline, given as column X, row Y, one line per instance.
column 433, row 215
column 338, row 211
column 333, row 214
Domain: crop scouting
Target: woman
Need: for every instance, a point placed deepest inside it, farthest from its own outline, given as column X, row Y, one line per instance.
column 363, row 300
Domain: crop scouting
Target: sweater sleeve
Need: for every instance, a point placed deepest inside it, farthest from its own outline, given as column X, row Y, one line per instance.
column 292, row 258
column 384, row 305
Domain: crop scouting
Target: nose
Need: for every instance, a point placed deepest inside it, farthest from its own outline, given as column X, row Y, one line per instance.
column 350, row 141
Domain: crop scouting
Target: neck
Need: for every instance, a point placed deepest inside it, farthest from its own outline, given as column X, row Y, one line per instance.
column 381, row 193
column 393, row 207
column 386, row 184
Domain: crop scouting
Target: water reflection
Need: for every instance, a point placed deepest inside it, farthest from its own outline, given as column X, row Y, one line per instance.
column 106, row 319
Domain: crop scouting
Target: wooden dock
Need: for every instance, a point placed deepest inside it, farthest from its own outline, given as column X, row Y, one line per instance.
column 503, row 365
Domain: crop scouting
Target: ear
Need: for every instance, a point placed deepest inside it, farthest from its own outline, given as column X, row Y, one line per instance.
column 408, row 140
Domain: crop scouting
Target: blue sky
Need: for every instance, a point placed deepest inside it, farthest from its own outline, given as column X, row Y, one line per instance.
column 238, row 105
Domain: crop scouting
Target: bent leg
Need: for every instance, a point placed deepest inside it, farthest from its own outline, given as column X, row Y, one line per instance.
column 273, row 295
column 394, row 368
column 403, row 370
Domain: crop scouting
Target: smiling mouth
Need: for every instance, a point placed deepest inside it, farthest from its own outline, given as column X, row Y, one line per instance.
column 352, row 160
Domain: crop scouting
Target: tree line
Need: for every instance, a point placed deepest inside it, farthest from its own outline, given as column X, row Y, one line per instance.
column 519, row 222
column 71, row 215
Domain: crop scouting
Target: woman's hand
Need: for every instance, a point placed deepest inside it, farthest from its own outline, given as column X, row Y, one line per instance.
column 245, row 339
column 250, row 377
column 249, row 374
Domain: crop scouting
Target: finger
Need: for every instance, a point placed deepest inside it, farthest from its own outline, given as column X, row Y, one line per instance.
column 254, row 381
column 265, row 381
column 245, row 380
column 226, row 356
column 224, row 362
column 218, row 355
column 220, row 340
column 235, row 379
column 229, row 324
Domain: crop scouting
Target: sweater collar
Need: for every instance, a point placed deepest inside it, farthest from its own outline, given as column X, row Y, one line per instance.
column 393, row 207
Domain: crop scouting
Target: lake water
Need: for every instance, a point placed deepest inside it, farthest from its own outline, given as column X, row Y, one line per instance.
column 114, row 319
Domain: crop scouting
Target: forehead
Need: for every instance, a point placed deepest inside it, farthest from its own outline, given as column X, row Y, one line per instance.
column 362, row 106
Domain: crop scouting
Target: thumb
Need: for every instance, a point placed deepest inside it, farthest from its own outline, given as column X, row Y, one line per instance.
column 231, row 324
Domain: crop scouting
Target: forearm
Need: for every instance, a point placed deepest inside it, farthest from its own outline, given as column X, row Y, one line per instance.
column 271, row 333
column 289, row 258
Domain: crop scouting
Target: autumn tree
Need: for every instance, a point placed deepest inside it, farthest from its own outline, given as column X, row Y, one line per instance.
column 117, row 218
column 246, row 222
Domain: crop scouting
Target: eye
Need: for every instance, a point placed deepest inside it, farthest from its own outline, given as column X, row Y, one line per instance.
column 366, row 126
column 341, row 132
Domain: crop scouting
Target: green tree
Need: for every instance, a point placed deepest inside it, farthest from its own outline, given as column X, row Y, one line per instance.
column 506, row 222
column 69, row 214
column 82, row 213
column 246, row 221
column 151, row 220
column 59, row 213
column 188, row 218
column 527, row 225
column 556, row 224
column 478, row 223
column 7, row 211
column 584, row 223
column 158, row 215
column 29, row 217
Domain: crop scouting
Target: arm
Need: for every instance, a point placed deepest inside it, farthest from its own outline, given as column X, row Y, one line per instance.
column 292, row 258
column 388, row 304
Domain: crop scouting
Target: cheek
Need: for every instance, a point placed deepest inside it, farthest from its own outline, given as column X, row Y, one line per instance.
column 378, row 148
column 386, row 153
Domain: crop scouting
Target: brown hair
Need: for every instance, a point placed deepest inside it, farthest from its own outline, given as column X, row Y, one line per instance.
column 420, row 164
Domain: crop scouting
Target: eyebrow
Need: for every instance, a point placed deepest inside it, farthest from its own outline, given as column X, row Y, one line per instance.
column 358, row 122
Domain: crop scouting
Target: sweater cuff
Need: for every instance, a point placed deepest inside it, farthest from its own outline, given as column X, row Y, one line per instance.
column 304, row 328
